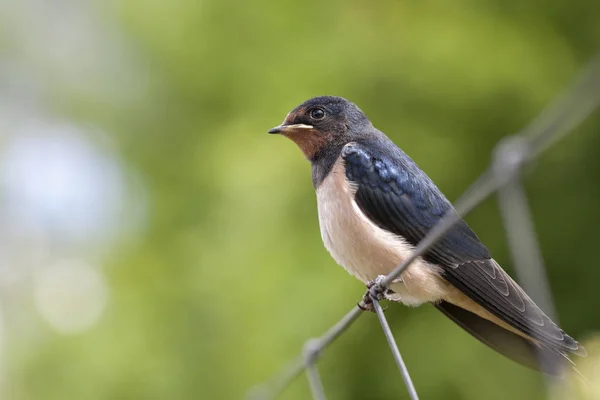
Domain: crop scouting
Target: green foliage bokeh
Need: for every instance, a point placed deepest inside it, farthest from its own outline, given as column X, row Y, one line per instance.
column 229, row 276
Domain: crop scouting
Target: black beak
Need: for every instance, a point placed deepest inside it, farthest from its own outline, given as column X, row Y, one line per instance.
column 277, row 129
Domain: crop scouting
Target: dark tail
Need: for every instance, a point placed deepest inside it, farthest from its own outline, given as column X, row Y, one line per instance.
column 511, row 345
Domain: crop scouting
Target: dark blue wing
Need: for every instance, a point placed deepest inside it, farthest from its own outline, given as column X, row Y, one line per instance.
column 398, row 196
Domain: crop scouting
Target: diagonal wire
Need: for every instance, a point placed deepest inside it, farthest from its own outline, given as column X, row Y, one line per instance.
column 394, row 348
column 567, row 111
column 278, row 384
column 564, row 114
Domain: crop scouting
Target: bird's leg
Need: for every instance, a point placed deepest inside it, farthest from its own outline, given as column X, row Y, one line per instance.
column 373, row 287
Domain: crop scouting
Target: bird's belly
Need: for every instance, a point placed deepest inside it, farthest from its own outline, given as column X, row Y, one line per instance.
column 365, row 250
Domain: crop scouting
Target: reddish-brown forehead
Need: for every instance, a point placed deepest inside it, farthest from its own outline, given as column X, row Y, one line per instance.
column 293, row 114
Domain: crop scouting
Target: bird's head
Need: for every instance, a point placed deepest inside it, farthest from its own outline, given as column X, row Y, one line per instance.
column 322, row 121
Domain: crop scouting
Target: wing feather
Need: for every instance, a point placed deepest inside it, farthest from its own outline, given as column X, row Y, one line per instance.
column 397, row 196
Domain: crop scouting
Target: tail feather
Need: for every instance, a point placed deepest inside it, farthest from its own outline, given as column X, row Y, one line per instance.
column 547, row 360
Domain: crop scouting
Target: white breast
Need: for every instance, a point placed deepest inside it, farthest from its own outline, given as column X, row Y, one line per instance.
column 364, row 249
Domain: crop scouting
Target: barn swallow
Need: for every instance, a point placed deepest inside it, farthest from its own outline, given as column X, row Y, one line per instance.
column 375, row 205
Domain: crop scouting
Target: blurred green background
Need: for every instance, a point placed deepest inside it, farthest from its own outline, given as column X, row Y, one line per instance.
column 156, row 243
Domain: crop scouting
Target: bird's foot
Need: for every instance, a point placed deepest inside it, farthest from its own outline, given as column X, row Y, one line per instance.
column 374, row 289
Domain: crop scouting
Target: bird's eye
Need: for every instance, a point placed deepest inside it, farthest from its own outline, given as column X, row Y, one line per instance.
column 317, row 113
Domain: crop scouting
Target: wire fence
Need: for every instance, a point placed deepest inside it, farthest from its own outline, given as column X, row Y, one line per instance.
column 503, row 177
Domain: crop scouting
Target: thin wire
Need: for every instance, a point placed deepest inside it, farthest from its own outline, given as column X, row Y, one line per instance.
column 527, row 257
column 565, row 113
column 311, row 352
column 483, row 187
column 395, row 351
column 279, row 383
column 276, row 386
column 315, row 383
column 335, row 331
column 521, row 237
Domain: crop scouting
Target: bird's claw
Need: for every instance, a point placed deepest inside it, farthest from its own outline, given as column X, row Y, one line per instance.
column 373, row 290
column 366, row 304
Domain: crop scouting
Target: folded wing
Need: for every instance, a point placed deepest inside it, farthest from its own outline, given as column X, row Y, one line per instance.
column 397, row 196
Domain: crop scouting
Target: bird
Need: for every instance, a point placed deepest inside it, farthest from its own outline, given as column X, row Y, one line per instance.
column 375, row 205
